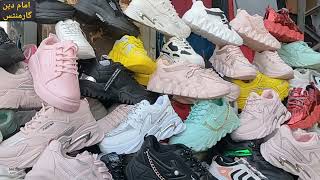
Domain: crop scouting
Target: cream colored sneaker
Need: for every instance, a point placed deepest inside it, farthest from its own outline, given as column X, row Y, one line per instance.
column 270, row 64
column 230, row 62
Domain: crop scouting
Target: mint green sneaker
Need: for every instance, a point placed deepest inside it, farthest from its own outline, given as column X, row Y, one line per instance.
column 208, row 122
column 299, row 54
column 7, row 124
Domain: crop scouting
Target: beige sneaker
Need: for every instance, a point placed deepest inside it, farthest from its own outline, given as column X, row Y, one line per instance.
column 230, row 62
column 270, row 64
column 16, row 89
column 77, row 130
column 253, row 32
column 54, row 164
column 186, row 79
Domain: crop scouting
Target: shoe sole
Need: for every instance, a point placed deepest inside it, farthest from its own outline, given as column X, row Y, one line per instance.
column 169, row 127
column 46, row 95
column 274, row 155
column 87, row 135
column 194, row 23
column 309, row 121
column 283, row 33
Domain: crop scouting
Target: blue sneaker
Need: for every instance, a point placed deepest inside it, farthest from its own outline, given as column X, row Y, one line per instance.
column 208, row 122
column 299, row 54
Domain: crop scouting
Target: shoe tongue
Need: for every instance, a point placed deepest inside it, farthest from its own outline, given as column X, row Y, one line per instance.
column 105, row 60
column 297, row 92
column 69, row 21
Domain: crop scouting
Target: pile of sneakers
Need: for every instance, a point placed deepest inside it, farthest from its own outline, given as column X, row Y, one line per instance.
column 67, row 114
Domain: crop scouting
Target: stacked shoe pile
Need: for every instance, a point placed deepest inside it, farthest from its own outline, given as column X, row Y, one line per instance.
column 167, row 118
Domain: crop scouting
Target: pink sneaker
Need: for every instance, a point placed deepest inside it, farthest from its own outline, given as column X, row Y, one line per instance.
column 54, row 71
column 296, row 152
column 230, row 62
column 115, row 117
column 270, row 64
column 55, row 164
column 77, row 130
column 261, row 116
column 186, row 79
column 16, row 89
column 253, row 32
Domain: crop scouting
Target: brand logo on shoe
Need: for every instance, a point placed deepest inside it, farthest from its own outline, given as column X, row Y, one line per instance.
column 112, row 78
column 283, row 161
column 47, row 126
column 100, row 17
column 113, row 6
column 152, row 20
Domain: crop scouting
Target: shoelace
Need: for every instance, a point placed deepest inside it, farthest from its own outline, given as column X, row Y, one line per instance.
column 253, row 169
column 169, row 8
column 232, row 55
column 101, row 167
column 66, row 63
column 196, row 69
column 194, row 163
column 297, row 103
column 35, row 121
column 181, row 42
column 274, row 57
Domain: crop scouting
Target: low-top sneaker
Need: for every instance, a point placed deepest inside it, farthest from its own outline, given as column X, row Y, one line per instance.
column 108, row 12
column 261, row 116
column 304, row 106
column 70, row 30
column 270, row 64
column 54, row 163
column 55, row 73
column 230, row 61
column 281, row 26
column 211, row 24
column 294, row 151
column 9, row 53
column 186, row 79
column 110, row 81
column 17, row 90
column 180, row 50
column 207, row 123
column 300, row 55
column 158, row 119
column 158, row 14
column 157, row 161
column 253, row 32
column 76, row 130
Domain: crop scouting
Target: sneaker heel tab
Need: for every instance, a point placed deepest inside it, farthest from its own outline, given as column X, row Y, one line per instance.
column 30, row 49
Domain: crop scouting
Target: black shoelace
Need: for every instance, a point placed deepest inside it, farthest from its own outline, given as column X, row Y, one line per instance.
column 194, row 163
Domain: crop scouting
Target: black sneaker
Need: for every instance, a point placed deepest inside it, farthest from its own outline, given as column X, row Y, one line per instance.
column 115, row 164
column 52, row 11
column 109, row 81
column 250, row 151
column 9, row 53
column 156, row 161
column 109, row 12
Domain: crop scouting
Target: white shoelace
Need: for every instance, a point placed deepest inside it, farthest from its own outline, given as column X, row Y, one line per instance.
column 35, row 121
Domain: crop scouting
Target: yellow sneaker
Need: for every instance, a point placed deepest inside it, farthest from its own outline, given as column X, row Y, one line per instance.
column 142, row 79
column 130, row 52
column 260, row 83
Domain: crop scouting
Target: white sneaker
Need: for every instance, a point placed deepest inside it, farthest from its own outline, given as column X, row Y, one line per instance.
column 230, row 61
column 303, row 77
column 180, row 50
column 11, row 173
column 261, row 116
column 211, row 24
column 270, row 64
column 70, row 30
column 158, row 14
column 144, row 119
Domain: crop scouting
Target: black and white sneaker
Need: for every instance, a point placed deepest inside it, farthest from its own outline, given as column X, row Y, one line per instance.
column 109, row 81
column 109, row 12
column 156, row 161
column 9, row 53
column 180, row 50
column 52, row 11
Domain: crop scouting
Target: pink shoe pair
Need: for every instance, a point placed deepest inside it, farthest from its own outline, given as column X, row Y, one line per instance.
column 54, row 70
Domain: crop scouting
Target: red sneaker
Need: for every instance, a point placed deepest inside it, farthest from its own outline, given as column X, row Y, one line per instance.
column 281, row 26
column 304, row 106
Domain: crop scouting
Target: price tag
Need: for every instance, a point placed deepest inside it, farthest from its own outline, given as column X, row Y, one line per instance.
column 17, row 10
